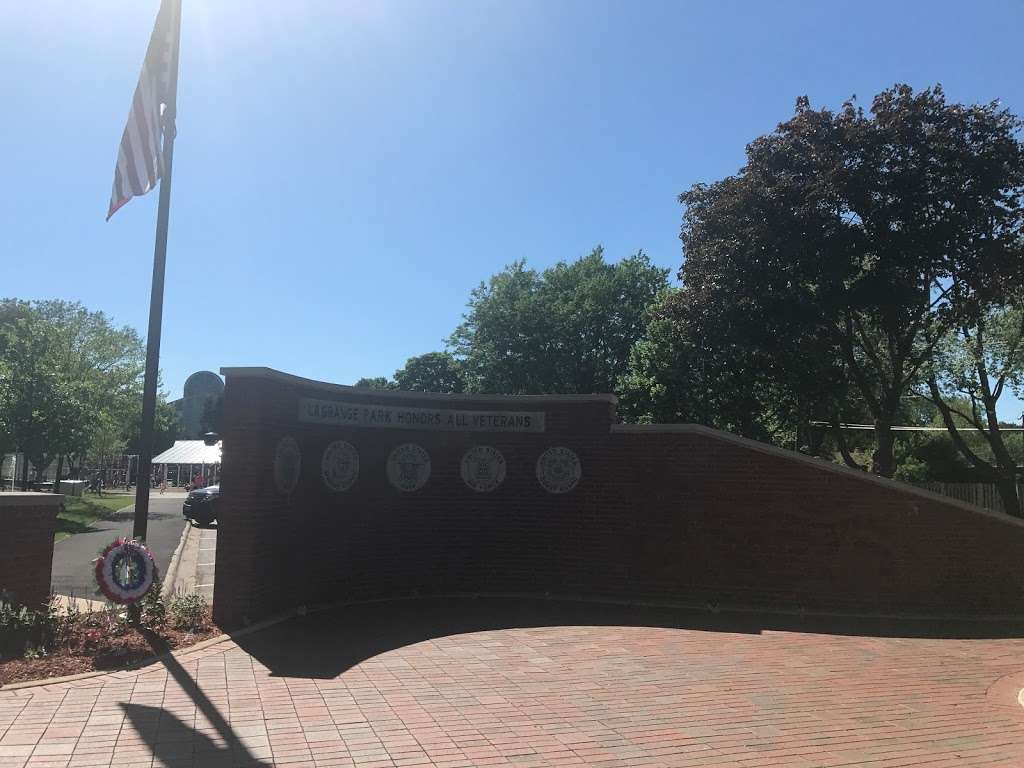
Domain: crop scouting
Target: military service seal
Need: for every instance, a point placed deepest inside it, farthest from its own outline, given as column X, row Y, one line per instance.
column 408, row 467
column 339, row 466
column 483, row 468
column 558, row 470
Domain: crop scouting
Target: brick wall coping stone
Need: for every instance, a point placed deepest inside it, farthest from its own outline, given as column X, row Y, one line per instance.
column 12, row 499
column 388, row 394
column 822, row 464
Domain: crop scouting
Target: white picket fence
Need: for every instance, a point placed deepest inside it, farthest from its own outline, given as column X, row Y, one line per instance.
column 981, row 494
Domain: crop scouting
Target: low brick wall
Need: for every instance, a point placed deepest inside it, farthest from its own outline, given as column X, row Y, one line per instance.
column 736, row 521
column 27, row 524
column 677, row 513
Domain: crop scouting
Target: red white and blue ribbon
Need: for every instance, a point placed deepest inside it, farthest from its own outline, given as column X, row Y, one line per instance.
column 125, row 571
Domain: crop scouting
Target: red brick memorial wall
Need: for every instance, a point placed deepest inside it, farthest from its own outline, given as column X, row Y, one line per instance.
column 333, row 494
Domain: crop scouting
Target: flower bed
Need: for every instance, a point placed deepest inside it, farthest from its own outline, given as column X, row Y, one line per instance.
column 40, row 644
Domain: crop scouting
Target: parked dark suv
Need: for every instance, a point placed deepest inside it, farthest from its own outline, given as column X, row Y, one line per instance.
column 201, row 505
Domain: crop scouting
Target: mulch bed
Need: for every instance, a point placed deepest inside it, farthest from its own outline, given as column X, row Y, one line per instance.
column 87, row 649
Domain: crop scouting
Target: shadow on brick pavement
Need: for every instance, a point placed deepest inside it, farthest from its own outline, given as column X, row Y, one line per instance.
column 173, row 743
column 326, row 643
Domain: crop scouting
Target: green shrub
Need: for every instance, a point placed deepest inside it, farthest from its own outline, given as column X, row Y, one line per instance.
column 106, row 620
column 26, row 631
column 68, row 622
column 113, row 621
column 35, row 652
column 189, row 613
column 154, row 609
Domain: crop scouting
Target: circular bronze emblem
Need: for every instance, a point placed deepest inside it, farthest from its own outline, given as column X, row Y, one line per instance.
column 483, row 468
column 409, row 467
column 339, row 466
column 558, row 470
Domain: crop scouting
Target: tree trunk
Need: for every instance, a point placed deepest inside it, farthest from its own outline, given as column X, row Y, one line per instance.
column 24, row 472
column 56, row 477
column 815, row 438
column 1003, row 471
column 1008, row 493
column 841, row 444
column 883, row 462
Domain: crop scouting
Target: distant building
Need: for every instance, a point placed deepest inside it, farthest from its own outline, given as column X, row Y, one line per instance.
column 187, row 458
column 201, row 387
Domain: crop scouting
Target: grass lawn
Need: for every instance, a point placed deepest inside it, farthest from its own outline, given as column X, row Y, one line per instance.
column 80, row 512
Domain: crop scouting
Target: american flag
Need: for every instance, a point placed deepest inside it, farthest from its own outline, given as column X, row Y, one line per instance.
column 139, row 156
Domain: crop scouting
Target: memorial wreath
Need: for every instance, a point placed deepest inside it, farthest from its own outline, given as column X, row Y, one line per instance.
column 125, row 571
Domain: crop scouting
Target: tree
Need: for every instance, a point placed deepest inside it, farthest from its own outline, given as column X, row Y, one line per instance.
column 36, row 410
column 69, row 374
column 379, row 382
column 850, row 244
column 432, row 372
column 165, row 426
column 933, row 457
column 568, row 329
column 974, row 366
column 504, row 337
column 6, row 439
column 680, row 372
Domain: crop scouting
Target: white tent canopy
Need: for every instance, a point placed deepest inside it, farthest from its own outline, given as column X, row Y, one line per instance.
column 190, row 452
column 185, row 457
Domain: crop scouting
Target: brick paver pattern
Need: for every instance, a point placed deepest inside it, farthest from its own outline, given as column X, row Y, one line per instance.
column 544, row 695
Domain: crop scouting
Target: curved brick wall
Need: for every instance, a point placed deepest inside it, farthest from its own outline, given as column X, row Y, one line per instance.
column 669, row 513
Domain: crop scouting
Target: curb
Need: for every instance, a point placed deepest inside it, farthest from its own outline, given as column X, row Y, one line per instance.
column 151, row 660
column 172, row 567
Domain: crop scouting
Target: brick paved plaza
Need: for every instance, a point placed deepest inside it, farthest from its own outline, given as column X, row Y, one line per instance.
column 503, row 682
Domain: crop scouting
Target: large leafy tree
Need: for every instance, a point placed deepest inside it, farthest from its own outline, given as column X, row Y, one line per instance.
column 165, row 425
column 851, row 243
column 70, row 375
column 40, row 405
column 680, row 370
column 505, row 336
column 566, row 330
column 431, row 372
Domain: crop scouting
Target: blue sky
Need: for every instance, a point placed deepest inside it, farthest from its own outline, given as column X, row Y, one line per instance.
column 346, row 172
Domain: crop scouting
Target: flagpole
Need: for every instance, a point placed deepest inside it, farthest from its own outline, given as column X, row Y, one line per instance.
column 156, row 298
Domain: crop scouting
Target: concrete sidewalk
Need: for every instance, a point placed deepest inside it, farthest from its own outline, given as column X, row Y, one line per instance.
column 63, row 603
column 193, row 563
column 465, row 683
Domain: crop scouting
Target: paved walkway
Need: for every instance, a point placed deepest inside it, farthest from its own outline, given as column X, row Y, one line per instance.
column 73, row 557
column 194, row 564
column 480, row 683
